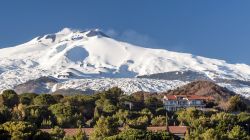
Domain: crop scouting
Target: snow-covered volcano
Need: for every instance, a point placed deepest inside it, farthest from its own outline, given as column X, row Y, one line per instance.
column 73, row 54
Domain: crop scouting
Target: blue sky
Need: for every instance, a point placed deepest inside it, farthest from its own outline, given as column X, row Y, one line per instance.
column 210, row 28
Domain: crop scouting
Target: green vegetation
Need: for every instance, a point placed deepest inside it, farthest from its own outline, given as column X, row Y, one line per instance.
column 22, row 117
column 137, row 134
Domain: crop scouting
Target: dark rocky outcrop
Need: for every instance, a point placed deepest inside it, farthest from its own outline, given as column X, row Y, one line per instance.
column 71, row 91
column 39, row 85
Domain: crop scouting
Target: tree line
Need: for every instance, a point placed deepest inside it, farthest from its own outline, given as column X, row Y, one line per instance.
column 22, row 116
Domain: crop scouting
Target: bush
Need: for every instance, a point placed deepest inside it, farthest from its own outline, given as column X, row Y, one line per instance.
column 236, row 104
column 57, row 133
column 44, row 100
column 237, row 133
column 5, row 114
column 26, row 98
column 19, row 130
column 9, row 98
column 104, row 127
column 158, row 121
column 139, row 123
column 40, row 135
column 65, row 115
column 137, row 134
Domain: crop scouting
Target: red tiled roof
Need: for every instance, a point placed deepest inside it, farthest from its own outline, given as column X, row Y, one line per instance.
column 189, row 97
column 172, row 129
column 177, row 129
column 171, row 97
column 195, row 97
column 73, row 131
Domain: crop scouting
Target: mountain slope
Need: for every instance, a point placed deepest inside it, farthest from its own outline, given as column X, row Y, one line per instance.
column 203, row 88
column 72, row 54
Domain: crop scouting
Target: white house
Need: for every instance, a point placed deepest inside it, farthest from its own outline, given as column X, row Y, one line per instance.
column 176, row 102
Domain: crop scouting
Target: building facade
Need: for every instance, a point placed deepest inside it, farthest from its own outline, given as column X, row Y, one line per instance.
column 176, row 102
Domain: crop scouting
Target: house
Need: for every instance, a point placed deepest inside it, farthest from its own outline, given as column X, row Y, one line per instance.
column 179, row 131
column 128, row 104
column 176, row 102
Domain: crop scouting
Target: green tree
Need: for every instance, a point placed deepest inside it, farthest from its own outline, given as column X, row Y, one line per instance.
column 159, row 121
column 37, row 114
column 46, row 123
column 236, row 104
column 19, row 130
column 160, row 135
column 137, row 134
column 44, row 100
column 104, row 127
column 18, row 112
column 109, row 108
column 85, row 104
column 188, row 116
column 81, row 135
column 105, row 107
column 26, row 98
column 57, row 133
column 5, row 114
column 139, row 123
column 41, row 135
column 113, row 94
column 160, row 111
column 58, row 97
column 122, row 116
column 66, row 116
column 223, row 122
column 147, row 112
column 129, row 134
column 152, row 103
column 138, row 100
column 210, row 134
column 9, row 98
column 237, row 133
column 243, row 118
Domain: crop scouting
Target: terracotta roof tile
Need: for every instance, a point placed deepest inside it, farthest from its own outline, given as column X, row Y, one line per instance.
column 73, row 131
column 171, row 97
column 189, row 97
column 172, row 129
column 177, row 129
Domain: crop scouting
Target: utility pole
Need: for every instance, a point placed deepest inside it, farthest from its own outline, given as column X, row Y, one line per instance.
column 130, row 106
column 167, row 121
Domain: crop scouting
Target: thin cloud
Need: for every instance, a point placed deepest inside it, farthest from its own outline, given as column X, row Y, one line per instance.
column 136, row 38
column 133, row 37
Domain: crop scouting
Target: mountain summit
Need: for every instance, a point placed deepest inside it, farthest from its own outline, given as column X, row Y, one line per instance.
column 75, row 54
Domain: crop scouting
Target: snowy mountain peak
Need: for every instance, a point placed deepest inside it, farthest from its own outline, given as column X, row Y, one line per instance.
column 79, row 54
column 68, row 34
column 96, row 32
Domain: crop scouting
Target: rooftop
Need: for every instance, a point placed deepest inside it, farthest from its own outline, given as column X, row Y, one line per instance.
column 189, row 97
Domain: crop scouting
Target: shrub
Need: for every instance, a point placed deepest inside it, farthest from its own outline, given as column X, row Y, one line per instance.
column 158, row 121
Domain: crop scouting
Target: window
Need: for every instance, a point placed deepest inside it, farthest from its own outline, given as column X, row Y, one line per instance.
column 198, row 102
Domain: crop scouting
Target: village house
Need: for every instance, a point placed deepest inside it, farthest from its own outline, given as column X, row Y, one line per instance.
column 176, row 102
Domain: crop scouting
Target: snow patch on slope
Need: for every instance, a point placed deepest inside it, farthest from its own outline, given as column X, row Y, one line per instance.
column 73, row 54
